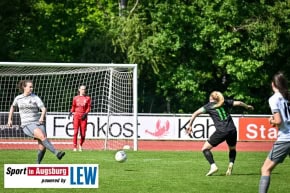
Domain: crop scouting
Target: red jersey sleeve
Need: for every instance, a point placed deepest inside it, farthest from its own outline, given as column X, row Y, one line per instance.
column 88, row 105
column 73, row 107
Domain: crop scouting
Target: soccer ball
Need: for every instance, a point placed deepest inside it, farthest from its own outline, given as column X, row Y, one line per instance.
column 121, row 156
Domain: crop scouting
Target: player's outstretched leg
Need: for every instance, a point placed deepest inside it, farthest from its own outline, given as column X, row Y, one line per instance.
column 48, row 145
column 43, row 141
column 60, row 155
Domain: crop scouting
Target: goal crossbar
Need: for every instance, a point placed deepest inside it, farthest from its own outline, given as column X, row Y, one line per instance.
column 56, row 84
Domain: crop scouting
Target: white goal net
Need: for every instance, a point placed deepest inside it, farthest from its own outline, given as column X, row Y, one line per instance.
column 112, row 121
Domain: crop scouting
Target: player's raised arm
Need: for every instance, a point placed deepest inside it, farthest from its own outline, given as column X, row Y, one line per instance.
column 242, row 104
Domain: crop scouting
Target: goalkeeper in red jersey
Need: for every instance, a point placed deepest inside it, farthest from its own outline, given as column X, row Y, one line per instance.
column 81, row 106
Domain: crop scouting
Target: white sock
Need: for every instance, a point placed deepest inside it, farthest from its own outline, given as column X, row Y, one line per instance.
column 213, row 165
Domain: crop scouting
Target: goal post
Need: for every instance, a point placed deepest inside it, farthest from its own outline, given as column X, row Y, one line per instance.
column 112, row 121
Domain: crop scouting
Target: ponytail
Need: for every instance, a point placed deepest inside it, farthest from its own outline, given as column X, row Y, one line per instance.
column 281, row 83
column 218, row 97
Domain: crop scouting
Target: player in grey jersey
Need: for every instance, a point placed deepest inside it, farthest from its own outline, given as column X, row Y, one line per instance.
column 32, row 121
column 280, row 107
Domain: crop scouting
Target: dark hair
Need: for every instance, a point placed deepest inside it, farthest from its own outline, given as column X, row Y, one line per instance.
column 80, row 87
column 22, row 84
column 281, row 83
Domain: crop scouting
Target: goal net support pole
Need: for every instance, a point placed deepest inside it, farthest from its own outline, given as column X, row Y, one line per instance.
column 109, row 109
column 112, row 122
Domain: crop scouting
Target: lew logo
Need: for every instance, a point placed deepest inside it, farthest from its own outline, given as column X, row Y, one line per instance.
column 161, row 130
column 83, row 175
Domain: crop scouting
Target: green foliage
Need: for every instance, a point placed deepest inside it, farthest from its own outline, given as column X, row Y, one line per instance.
column 192, row 47
column 63, row 32
column 184, row 49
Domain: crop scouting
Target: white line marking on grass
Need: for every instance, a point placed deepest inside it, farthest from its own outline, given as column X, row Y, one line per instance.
column 151, row 159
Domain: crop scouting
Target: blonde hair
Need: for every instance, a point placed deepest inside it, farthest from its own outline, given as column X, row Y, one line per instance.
column 218, row 97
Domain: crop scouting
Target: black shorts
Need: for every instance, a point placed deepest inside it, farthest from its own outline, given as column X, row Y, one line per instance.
column 220, row 136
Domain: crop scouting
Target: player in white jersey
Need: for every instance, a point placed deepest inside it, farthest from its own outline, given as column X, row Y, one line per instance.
column 32, row 121
column 280, row 107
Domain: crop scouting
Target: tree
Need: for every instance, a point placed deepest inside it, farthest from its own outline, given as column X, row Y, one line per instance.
column 184, row 49
column 12, row 13
column 196, row 47
column 58, row 31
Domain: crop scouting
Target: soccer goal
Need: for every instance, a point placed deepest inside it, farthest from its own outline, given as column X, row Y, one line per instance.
column 112, row 121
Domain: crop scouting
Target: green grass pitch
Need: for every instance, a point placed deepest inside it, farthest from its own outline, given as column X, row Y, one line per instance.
column 160, row 172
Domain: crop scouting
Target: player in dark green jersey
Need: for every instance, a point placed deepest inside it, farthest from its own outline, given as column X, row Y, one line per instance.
column 219, row 110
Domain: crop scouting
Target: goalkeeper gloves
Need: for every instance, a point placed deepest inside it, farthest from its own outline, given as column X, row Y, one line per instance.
column 69, row 115
column 84, row 116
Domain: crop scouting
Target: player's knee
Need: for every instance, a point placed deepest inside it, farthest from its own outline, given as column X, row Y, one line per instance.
column 42, row 148
column 232, row 148
column 206, row 146
column 265, row 171
column 40, row 136
column 206, row 151
column 38, row 133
